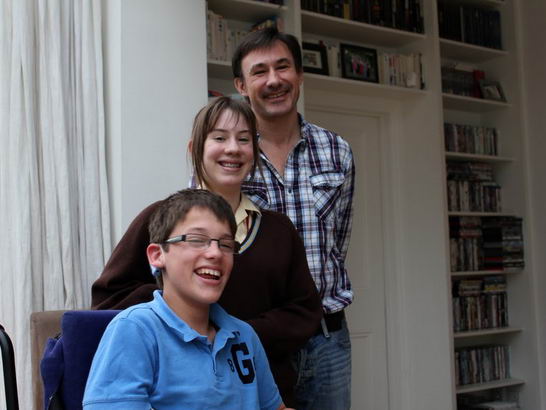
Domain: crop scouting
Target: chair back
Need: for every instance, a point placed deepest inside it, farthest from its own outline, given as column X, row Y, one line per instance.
column 43, row 325
column 8, row 364
column 67, row 359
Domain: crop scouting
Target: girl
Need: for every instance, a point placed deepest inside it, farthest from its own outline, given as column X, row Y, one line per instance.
column 270, row 285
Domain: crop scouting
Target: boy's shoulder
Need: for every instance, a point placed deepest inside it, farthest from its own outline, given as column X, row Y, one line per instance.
column 231, row 323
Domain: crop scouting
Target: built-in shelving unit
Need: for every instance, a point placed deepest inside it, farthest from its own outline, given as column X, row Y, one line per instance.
column 505, row 117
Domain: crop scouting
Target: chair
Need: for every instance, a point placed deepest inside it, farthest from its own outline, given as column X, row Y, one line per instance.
column 67, row 359
column 8, row 364
column 43, row 325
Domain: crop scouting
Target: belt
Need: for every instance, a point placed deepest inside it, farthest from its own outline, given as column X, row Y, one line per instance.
column 331, row 322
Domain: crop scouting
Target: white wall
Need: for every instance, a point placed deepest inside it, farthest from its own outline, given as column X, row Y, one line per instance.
column 152, row 95
column 534, row 69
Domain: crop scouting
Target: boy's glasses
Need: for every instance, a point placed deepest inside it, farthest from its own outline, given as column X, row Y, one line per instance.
column 198, row 241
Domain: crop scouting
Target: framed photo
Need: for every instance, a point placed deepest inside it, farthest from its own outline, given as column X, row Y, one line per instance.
column 315, row 59
column 359, row 63
column 492, row 90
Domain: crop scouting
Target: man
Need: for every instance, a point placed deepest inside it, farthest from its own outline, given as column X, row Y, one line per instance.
column 308, row 174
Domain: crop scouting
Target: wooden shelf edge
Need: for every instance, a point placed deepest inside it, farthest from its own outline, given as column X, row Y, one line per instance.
column 471, row 104
column 487, row 214
column 250, row 11
column 348, row 86
column 458, row 50
column 476, row 157
column 351, row 30
column 485, row 273
column 486, row 332
column 497, row 384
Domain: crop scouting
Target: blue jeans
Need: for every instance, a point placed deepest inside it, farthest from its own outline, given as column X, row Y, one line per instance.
column 324, row 372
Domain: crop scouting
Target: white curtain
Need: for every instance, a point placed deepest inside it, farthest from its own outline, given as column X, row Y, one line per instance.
column 54, row 216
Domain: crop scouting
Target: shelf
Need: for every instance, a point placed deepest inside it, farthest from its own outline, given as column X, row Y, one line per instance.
column 484, row 272
column 462, row 156
column 468, row 213
column 457, row 50
column 245, row 10
column 471, row 104
column 486, row 332
column 485, row 3
column 219, row 69
column 497, row 384
column 352, row 31
column 347, row 86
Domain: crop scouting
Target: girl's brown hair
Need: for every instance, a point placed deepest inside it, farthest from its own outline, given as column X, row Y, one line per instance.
column 206, row 120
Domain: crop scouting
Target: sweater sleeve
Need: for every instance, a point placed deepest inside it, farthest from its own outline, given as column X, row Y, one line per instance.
column 286, row 328
column 126, row 279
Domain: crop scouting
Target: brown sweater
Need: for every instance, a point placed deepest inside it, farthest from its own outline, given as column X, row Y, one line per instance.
column 270, row 287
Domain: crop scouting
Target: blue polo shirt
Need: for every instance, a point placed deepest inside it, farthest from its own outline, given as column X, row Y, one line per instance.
column 149, row 357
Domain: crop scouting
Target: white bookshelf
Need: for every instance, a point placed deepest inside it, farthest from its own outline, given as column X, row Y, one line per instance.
column 500, row 65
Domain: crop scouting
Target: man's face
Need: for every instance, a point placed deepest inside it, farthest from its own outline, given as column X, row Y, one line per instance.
column 270, row 81
column 194, row 278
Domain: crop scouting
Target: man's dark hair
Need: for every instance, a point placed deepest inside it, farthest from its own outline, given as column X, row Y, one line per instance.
column 261, row 39
column 174, row 209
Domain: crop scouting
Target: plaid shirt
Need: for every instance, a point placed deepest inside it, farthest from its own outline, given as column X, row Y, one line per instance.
column 316, row 193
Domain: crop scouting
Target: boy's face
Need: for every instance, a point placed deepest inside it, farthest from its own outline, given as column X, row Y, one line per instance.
column 194, row 278
column 270, row 81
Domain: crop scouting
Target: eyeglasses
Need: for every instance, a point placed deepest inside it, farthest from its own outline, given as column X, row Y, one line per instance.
column 198, row 241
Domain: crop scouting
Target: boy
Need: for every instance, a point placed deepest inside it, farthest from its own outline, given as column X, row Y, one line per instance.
column 182, row 350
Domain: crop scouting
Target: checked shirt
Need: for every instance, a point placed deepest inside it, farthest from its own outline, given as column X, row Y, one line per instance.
column 316, row 193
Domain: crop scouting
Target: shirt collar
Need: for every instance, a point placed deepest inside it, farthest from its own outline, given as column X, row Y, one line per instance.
column 218, row 315
column 305, row 133
column 246, row 206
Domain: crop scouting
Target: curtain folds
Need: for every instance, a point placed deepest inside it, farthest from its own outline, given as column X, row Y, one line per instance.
column 54, row 215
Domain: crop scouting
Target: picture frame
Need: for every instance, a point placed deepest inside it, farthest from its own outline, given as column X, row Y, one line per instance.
column 359, row 63
column 315, row 58
column 492, row 90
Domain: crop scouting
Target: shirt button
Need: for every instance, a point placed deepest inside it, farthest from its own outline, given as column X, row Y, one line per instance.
column 290, row 190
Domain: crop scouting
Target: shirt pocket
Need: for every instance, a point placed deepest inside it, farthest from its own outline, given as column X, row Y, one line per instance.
column 326, row 191
column 257, row 192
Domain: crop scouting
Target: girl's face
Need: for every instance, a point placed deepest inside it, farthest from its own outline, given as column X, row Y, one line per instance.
column 227, row 153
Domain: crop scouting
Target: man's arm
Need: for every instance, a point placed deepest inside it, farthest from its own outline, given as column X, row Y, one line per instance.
column 126, row 279
column 344, row 217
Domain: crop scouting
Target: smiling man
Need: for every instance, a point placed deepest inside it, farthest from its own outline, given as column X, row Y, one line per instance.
column 308, row 174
